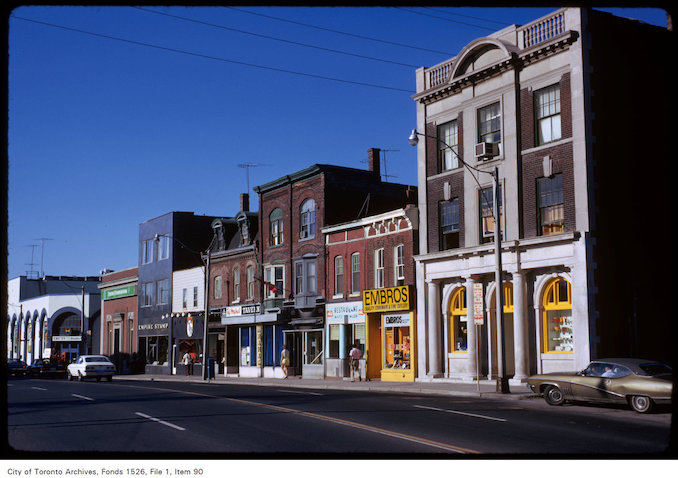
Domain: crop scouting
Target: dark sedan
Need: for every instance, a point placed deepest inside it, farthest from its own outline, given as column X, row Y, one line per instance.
column 16, row 367
column 47, row 368
column 640, row 383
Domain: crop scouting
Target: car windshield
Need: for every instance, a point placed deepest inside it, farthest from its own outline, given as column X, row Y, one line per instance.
column 96, row 359
column 656, row 368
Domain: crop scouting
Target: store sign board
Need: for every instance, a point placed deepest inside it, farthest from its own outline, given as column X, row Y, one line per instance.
column 238, row 310
column 478, row 317
column 66, row 338
column 387, row 300
column 397, row 320
column 345, row 313
column 119, row 292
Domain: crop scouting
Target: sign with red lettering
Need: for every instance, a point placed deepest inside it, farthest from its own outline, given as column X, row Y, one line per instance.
column 478, row 317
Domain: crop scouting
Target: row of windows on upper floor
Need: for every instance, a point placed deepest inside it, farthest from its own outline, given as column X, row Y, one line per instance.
column 160, row 243
column 550, row 213
column 488, row 118
column 306, row 224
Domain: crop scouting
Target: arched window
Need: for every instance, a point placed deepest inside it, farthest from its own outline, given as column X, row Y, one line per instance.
column 458, row 321
column 557, row 317
column 276, row 227
column 217, row 287
column 307, row 215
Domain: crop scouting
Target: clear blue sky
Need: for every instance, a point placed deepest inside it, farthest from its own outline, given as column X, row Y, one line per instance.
column 118, row 115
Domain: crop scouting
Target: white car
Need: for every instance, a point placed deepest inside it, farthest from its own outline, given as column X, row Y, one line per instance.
column 91, row 366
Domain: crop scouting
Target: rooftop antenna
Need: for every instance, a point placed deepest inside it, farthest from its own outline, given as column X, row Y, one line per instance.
column 385, row 174
column 247, row 167
column 42, row 253
column 31, row 274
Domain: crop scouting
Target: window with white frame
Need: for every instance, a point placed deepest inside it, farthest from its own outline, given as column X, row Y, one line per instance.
column 163, row 291
column 379, row 269
column 338, row 276
column 307, row 216
column 147, row 252
column 489, row 124
column 448, row 146
column 163, row 247
column 305, row 277
column 195, row 296
column 146, row 293
column 236, row 284
column 547, row 109
column 218, row 287
column 276, row 227
column 399, row 264
column 249, row 273
column 486, row 200
column 550, row 204
column 184, row 298
column 275, row 281
column 355, row 273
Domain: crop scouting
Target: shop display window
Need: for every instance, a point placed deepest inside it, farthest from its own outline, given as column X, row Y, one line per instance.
column 557, row 317
column 155, row 349
column 357, row 337
column 397, row 340
column 334, row 333
column 193, row 347
column 458, row 321
column 313, row 348
column 248, row 349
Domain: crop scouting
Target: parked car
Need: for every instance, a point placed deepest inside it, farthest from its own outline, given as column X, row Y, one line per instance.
column 16, row 367
column 640, row 383
column 47, row 368
column 91, row 366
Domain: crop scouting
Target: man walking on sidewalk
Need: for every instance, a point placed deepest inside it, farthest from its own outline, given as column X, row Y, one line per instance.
column 355, row 355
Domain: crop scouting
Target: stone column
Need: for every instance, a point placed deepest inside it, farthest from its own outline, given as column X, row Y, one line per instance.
column 520, row 342
column 472, row 335
column 433, row 342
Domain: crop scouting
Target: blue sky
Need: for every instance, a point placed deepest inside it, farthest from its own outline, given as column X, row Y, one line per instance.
column 118, row 114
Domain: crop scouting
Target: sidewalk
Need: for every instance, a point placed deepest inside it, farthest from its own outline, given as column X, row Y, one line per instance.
column 483, row 389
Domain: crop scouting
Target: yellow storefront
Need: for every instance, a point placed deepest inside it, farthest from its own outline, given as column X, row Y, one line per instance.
column 391, row 326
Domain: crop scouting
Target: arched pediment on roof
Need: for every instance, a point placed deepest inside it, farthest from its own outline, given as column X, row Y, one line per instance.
column 480, row 54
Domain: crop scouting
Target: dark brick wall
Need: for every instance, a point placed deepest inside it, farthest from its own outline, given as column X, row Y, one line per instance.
column 436, row 193
column 528, row 115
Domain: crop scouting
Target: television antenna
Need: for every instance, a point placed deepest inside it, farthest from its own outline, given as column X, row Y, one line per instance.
column 31, row 274
column 246, row 167
column 42, row 253
column 385, row 174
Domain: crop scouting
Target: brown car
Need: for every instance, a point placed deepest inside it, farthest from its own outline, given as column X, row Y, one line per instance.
column 640, row 383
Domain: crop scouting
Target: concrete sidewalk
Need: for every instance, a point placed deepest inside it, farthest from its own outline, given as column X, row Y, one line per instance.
column 483, row 389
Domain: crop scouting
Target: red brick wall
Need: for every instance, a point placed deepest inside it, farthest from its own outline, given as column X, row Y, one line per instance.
column 224, row 268
column 123, row 305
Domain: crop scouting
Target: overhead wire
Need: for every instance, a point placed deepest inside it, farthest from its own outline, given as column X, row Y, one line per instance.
column 216, row 58
column 466, row 16
column 259, row 35
column 446, row 19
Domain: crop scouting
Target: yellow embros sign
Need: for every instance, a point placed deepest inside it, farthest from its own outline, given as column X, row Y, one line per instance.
column 386, row 300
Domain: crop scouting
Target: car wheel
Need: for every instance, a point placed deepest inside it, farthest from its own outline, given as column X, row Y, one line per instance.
column 80, row 377
column 641, row 403
column 553, row 395
column 69, row 376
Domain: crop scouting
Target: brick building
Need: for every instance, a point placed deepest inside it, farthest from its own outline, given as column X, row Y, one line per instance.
column 548, row 105
column 369, row 256
column 119, row 318
column 293, row 210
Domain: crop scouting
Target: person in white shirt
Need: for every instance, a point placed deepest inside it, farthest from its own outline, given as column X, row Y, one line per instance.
column 355, row 355
column 285, row 360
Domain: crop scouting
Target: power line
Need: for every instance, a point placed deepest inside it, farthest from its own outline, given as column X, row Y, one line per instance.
column 443, row 18
column 306, row 45
column 209, row 57
column 465, row 16
column 362, row 37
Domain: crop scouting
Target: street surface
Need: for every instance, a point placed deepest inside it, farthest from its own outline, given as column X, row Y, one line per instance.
column 165, row 417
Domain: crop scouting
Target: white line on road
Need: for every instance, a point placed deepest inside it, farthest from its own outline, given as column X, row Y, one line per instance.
column 304, row 393
column 461, row 413
column 168, row 424
column 83, row 397
column 39, row 388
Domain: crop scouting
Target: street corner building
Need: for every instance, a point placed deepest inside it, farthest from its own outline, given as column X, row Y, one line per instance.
column 567, row 110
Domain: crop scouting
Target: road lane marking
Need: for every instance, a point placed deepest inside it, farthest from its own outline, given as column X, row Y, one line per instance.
column 39, row 388
column 167, row 424
column 424, row 441
column 303, row 393
column 83, row 397
column 461, row 413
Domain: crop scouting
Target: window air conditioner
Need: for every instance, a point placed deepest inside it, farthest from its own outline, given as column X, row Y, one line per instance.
column 487, row 150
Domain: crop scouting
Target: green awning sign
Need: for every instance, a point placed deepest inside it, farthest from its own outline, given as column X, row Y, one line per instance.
column 119, row 292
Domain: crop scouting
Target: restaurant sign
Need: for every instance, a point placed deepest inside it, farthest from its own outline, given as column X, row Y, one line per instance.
column 388, row 299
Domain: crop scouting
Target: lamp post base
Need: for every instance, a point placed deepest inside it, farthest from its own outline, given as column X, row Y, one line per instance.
column 502, row 385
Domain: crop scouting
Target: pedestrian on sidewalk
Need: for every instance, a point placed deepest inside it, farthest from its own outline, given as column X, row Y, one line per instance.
column 355, row 355
column 187, row 360
column 285, row 360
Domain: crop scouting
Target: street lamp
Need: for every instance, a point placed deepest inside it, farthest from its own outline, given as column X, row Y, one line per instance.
column 502, row 380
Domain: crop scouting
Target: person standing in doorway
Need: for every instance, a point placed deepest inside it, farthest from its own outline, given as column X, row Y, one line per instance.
column 285, row 360
column 355, row 355
column 187, row 360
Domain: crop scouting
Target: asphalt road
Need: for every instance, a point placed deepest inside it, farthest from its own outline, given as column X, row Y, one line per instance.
column 236, row 420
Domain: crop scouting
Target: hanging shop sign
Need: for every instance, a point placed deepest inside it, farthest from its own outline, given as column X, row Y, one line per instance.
column 119, row 292
column 478, row 304
column 397, row 320
column 189, row 326
column 387, row 300
column 345, row 313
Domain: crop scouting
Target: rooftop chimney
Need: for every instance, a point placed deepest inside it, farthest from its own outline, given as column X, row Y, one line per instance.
column 245, row 202
column 373, row 159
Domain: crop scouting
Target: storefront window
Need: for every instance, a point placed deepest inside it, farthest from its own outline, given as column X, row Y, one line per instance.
column 557, row 319
column 314, row 348
column 458, row 321
column 334, row 333
column 397, row 340
column 357, row 338
column 193, row 347
column 248, row 350
column 155, row 349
